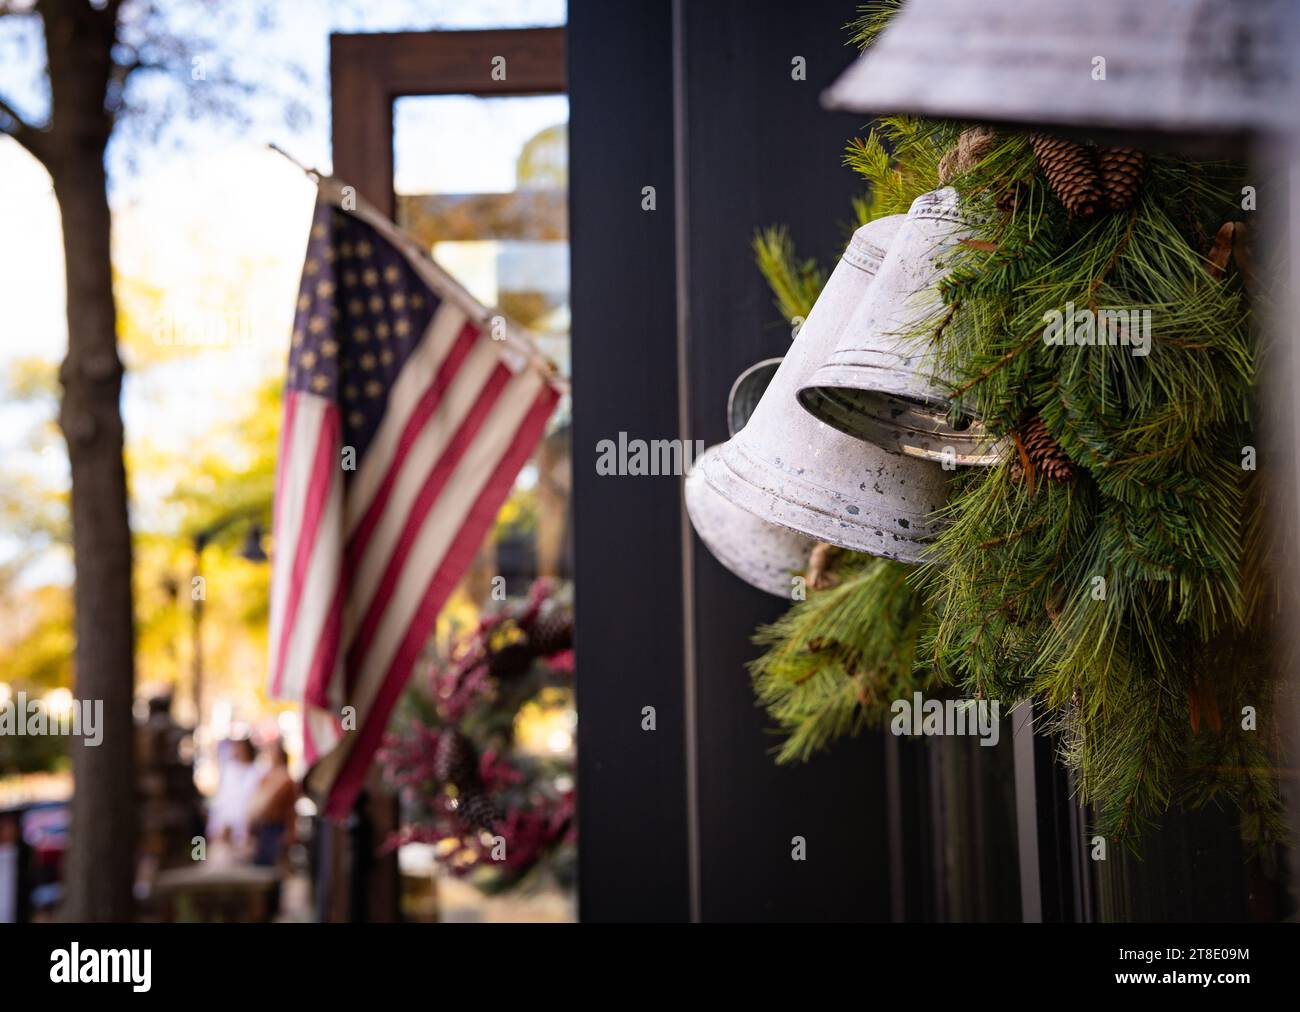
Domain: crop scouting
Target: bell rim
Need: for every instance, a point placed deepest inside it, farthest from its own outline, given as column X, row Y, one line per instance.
column 740, row 384
column 974, row 446
column 823, row 524
column 701, row 497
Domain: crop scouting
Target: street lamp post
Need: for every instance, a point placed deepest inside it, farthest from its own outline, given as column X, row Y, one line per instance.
column 253, row 552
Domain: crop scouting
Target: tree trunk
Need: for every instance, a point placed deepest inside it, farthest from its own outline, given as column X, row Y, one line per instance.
column 100, row 869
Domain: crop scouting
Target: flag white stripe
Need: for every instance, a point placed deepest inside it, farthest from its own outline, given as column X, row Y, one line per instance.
column 322, row 730
column 412, row 382
column 309, row 418
column 320, row 583
column 458, row 401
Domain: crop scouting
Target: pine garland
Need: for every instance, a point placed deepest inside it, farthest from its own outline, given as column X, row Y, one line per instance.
column 795, row 283
column 1131, row 600
column 838, row 658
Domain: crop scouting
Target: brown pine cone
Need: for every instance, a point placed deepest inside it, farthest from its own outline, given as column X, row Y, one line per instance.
column 478, row 811
column 1044, row 452
column 455, row 760
column 1071, row 171
column 551, row 632
column 1011, row 197
column 1121, row 175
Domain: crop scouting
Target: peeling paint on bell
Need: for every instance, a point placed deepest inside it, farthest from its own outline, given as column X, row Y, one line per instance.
column 879, row 384
column 788, row 468
column 1197, row 73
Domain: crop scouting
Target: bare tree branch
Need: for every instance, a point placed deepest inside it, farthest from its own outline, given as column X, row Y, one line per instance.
column 19, row 129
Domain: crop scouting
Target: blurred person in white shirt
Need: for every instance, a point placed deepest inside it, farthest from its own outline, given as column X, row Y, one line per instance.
column 228, row 812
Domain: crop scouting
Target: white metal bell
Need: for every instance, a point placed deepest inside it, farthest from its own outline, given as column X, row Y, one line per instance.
column 788, row 468
column 879, row 383
column 1198, row 73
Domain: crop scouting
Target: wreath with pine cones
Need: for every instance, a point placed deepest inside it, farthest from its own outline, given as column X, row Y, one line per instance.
column 497, row 814
column 1116, row 568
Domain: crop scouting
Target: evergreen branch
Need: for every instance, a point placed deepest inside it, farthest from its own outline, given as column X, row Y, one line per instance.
column 1004, row 360
column 872, row 19
column 1110, row 264
column 795, row 283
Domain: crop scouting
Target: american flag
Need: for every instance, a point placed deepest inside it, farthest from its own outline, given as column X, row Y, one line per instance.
column 408, row 412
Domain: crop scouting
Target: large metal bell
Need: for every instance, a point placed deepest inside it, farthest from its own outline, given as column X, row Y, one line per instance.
column 788, row 468
column 1199, row 74
column 764, row 555
column 880, row 383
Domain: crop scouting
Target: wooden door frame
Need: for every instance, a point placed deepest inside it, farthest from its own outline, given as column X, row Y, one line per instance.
column 368, row 72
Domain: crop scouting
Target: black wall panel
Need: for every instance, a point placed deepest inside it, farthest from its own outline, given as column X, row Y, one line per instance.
column 707, row 111
column 628, row 576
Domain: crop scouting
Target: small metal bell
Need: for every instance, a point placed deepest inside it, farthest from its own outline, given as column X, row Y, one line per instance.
column 747, row 391
column 1198, row 74
column 788, row 468
column 879, row 384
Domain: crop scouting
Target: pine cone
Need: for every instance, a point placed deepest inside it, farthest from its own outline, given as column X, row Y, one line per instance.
column 1011, row 197
column 1071, row 171
column 455, row 760
column 1044, row 452
column 1121, row 175
column 551, row 632
column 478, row 811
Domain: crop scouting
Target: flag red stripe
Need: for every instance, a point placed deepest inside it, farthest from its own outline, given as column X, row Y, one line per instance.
column 324, row 469
column 310, row 752
column 459, row 554
column 420, row 414
column 325, row 654
column 432, row 488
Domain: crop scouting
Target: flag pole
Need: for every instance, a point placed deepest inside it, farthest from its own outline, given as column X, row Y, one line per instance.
column 313, row 173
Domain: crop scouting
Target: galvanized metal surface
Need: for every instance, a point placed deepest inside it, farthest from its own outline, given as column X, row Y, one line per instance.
column 879, row 384
column 1192, row 69
column 765, row 555
column 788, row 468
column 747, row 391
